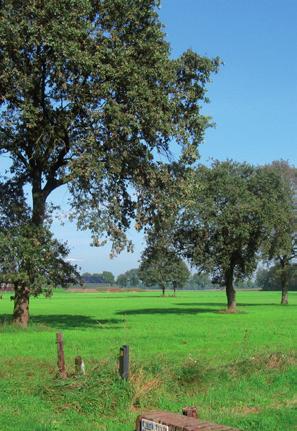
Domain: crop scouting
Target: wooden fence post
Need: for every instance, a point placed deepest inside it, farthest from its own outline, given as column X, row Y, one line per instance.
column 79, row 365
column 61, row 358
column 124, row 362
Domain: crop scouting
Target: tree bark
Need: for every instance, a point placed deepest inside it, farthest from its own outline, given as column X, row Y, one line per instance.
column 38, row 208
column 21, row 307
column 21, row 314
column 284, row 283
column 230, row 291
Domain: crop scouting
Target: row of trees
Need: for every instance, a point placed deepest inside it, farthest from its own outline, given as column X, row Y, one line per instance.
column 170, row 275
column 132, row 278
column 105, row 277
column 225, row 219
column 267, row 278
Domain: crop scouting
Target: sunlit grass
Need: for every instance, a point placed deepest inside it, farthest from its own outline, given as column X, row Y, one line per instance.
column 237, row 369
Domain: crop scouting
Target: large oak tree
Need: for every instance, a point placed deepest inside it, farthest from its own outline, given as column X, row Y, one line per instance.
column 90, row 98
column 232, row 218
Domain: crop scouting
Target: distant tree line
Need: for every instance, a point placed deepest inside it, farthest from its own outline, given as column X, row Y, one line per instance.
column 105, row 277
column 181, row 278
column 270, row 278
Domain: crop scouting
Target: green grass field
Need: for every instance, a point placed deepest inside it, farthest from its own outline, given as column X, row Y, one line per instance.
column 239, row 370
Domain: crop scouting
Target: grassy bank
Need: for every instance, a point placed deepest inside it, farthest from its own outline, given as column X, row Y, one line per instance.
column 237, row 369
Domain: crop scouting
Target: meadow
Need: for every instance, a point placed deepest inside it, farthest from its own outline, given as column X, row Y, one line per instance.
column 237, row 369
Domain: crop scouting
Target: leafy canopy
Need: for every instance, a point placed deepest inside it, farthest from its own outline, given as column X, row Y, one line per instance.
column 30, row 258
column 231, row 219
column 129, row 278
column 89, row 96
column 162, row 267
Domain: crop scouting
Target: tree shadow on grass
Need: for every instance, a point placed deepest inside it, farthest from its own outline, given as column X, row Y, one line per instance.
column 203, row 304
column 167, row 311
column 239, row 304
column 112, row 296
column 68, row 321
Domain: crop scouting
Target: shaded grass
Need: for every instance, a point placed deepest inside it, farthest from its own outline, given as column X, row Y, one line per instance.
column 237, row 369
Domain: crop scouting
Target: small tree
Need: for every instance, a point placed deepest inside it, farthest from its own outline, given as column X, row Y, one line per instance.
column 162, row 267
column 180, row 274
column 283, row 248
column 34, row 263
column 122, row 280
column 231, row 216
column 129, row 278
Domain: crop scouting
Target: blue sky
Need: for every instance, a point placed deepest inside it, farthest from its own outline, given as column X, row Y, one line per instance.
column 253, row 97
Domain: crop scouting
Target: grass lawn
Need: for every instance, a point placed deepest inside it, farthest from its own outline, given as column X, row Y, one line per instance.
column 239, row 370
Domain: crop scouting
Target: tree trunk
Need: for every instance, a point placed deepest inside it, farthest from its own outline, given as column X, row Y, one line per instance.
column 163, row 290
column 230, row 291
column 174, row 289
column 21, row 314
column 38, row 208
column 21, row 307
column 284, row 283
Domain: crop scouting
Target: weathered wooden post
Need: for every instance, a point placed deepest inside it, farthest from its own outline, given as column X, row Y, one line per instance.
column 61, row 358
column 124, row 362
column 79, row 365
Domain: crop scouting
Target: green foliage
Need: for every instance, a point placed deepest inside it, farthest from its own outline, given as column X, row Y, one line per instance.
column 31, row 259
column 248, row 283
column 129, row 279
column 89, row 97
column 91, row 278
column 271, row 278
column 283, row 248
column 230, row 218
column 13, row 209
column 107, row 277
column 200, row 281
column 162, row 267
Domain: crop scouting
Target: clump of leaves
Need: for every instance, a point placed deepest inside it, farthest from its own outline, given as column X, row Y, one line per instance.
column 31, row 258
